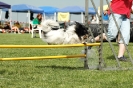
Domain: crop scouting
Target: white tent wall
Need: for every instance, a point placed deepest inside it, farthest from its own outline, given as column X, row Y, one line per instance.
column 76, row 18
column 51, row 16
column 24, row 17
column 9, row 18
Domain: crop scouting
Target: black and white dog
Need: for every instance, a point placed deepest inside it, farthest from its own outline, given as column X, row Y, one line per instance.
column 52, row 34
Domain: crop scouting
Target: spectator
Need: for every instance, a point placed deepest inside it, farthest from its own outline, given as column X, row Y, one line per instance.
column 16, row 28
column 105, row 16
column 37, row 20
column 6, row 27
column 93, row 19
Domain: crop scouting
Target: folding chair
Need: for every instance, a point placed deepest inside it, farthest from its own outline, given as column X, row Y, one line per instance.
column 34, row 29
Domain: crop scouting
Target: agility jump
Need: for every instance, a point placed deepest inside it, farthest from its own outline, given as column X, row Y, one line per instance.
column 48, row 57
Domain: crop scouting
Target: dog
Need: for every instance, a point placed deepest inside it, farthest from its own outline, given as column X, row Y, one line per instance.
column 53, row 34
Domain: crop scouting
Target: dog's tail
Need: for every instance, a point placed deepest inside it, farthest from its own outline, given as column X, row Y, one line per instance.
column 47, row 25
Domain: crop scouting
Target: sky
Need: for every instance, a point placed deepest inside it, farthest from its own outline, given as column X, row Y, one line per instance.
column 54, row 3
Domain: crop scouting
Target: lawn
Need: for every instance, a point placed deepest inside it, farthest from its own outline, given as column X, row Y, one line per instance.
column 60, row 73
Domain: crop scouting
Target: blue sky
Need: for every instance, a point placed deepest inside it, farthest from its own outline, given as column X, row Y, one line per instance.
column 55, row 3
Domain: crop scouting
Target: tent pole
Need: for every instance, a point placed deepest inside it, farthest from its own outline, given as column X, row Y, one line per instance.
column 44, row 16
column 86, row 24
column 0, row 14
column 70, row 17
column 55, row 16
column 82, row 16
column 10, row 20
column 29, row 20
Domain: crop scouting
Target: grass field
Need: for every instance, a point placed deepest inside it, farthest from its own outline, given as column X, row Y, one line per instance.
column 59, row 73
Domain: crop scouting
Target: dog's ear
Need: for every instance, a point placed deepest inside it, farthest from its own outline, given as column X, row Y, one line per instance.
column 77, row 24
column 81, row 29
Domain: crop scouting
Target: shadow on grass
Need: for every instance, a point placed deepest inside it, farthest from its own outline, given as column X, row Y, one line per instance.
column 112, row 57
column 62, row 67
column 2, row 72
column 36, row 37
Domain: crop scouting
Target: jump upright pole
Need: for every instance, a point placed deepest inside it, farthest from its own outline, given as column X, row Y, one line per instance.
column 101, row 36
column 86, row 24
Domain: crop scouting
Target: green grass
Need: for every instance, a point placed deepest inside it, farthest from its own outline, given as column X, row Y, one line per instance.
column 59, row 73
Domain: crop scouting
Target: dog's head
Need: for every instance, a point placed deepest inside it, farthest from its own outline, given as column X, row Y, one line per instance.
column 81, row 31
column 48, row 25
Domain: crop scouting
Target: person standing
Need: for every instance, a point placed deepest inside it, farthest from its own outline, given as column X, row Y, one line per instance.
column 121, row 10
